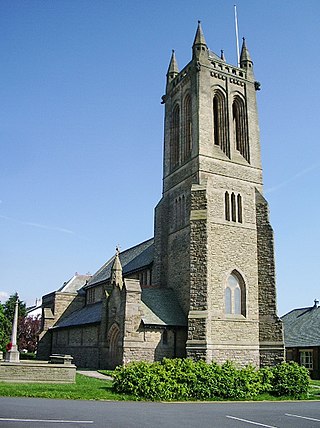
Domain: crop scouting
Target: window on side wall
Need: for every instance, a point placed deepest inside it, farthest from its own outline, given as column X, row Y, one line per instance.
column 306, row 358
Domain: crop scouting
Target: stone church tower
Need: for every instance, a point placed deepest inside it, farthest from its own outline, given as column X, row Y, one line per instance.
column 213, row 239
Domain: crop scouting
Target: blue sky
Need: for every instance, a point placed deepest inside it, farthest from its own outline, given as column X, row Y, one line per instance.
column 81, row 129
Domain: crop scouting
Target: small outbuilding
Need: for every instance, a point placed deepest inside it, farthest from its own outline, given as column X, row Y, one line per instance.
column 302, row 337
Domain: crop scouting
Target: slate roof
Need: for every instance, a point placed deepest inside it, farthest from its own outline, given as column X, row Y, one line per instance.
column 160, row 307
column 74, row 284
column 90, row 314
column 302, row 327
column 133, row 259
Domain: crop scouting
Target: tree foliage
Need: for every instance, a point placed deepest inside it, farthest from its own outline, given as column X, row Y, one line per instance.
column 28, row 327
column 5, row 329
column 185, row 379
column 28, row 331
column 9, row 307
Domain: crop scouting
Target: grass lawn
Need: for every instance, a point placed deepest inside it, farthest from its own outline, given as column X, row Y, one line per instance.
column 87, row 388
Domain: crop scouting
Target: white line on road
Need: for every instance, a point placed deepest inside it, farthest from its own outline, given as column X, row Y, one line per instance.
column 250, row 422
column 302, row 417
column 53, row 421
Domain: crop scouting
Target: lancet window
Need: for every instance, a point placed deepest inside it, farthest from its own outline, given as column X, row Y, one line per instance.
column 220, row 134
column 235, row 295
column 233, row 207
column 187, row 128
column 175, row 137
column 180, row 212
column 240, row 130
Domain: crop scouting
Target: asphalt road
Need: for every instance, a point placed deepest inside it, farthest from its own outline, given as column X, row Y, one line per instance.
column 42, row 413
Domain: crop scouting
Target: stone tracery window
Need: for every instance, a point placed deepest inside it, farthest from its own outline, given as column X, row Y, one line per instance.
column 235, row 295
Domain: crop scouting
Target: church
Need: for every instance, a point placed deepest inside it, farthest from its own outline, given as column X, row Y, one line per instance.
column 204, row 286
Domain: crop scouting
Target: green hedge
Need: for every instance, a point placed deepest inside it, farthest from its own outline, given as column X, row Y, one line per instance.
column 27, row 356
column 185, row 379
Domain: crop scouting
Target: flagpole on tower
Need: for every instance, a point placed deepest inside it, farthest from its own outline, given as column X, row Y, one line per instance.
column 237, row 34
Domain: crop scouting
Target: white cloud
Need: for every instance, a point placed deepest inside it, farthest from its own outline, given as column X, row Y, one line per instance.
column 3, row 296
column 38, row 225
column 292, row 178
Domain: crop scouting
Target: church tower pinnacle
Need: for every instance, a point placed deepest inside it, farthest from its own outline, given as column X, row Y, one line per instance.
column 245, row 59
column 199, row 46
column 173, row 69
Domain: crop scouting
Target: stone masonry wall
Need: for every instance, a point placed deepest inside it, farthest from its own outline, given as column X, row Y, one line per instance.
column 270, row 332
column 80, row 342
column 198, row 314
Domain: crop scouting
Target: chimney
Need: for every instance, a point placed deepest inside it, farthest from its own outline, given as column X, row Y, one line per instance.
column 316, row 303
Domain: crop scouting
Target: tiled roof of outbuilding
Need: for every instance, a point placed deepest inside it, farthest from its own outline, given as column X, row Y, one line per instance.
column 90, row 314
column 133, row 259
column 302, row 327
column 160, row 307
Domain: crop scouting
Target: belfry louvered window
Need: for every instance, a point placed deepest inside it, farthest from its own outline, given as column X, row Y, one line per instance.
column 240, row 129
column 220, row 134
column 175, row 137
column 187, row 128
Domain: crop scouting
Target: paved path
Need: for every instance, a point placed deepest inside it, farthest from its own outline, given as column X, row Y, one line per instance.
column 95, row 374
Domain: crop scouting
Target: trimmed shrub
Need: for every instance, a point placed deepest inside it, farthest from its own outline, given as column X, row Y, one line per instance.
column 185, row 379
column 290, row 379
column 27, row 356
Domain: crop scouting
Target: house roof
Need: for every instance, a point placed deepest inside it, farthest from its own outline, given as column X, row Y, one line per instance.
column 302, row 327
column 160, row 307
column 90, row 314
column 133, row 259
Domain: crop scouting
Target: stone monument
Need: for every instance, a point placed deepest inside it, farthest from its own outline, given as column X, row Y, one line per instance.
column 13, row 355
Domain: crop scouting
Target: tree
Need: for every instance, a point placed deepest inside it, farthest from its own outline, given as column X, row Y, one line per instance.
column 9, row 307
column 28, row 331
column 5, row 329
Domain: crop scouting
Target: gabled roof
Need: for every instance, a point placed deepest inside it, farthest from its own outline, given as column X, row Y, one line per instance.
column 133, row 259
column 160, row 307
column 302, row 327
column 74, row 284
column 90, row 314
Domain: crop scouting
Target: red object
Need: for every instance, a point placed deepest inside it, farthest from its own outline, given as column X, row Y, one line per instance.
column 9, row 346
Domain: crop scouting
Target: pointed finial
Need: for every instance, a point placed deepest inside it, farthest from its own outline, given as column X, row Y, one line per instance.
column 245, row 56
column 222, row 56
column 116, row 270
column 173, row 68
column 199, row 37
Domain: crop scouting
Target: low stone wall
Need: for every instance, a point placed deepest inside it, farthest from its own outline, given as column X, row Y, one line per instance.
column 37, row 371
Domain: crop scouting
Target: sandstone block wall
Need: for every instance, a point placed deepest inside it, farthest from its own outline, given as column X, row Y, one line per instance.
column 24, row 372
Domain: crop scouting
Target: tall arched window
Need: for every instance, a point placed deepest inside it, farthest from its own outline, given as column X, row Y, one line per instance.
column 233, row 207
column 220, row 134
column 187, row 128
column 227, row 206
column 175, row 137
column 240, row 130
column 239, row 206
column 235, row 295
